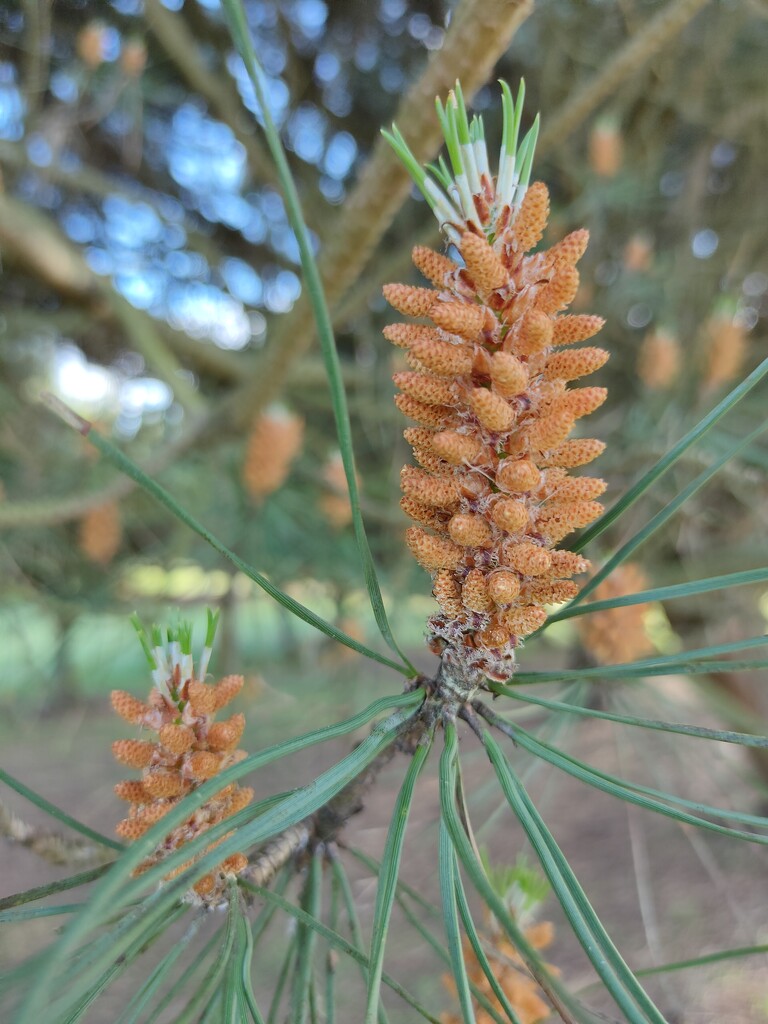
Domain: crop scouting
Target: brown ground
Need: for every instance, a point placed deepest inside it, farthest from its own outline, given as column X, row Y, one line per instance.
column 664, row 891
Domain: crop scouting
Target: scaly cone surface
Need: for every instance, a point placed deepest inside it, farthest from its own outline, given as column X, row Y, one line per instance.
column 489, row 389
column 190, row 748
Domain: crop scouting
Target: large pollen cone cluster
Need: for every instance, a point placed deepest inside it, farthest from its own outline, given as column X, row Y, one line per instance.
column 518, row 986
column 187, row 748
column 274, row 442
column 495, row 391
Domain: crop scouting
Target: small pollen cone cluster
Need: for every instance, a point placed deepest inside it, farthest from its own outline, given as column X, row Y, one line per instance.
column 659, row 360
column 638, row 253
column 274, row 442
column 725, row 345
column 101, row 533
column 91, row 44
column 495, row 390
column 519, row 987
column 133, row 58
column 188, row 748
column 617, row 636
column 606, row 149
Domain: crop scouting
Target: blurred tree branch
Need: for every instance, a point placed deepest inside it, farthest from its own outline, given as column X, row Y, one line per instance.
column 37, row 48
column 100, row 185
column 31, row 238
column 637, row 51
column 477, row 36
column 58, row 509
column 174, row 35
column 84, row 179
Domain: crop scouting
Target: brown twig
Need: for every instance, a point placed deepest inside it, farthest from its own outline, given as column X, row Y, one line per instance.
column 323, row 827
column 50, row 845
column 493, row 719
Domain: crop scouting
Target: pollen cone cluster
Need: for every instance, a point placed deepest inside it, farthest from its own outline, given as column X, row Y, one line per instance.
column 273, row 443
column 519, row 987
column 606, row 149
column 659, row 360
column 725, row 345
column 91, row 44
column 101, row 533
column 495, row 392
column 617, row 636
column 187, row 747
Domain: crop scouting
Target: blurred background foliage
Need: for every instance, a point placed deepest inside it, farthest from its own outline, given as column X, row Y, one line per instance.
column 151, row 280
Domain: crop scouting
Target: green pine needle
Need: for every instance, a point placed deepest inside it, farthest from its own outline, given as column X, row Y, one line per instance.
column 184, row 636
column 212, row 626
column 462, row 122
column 141, row 633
